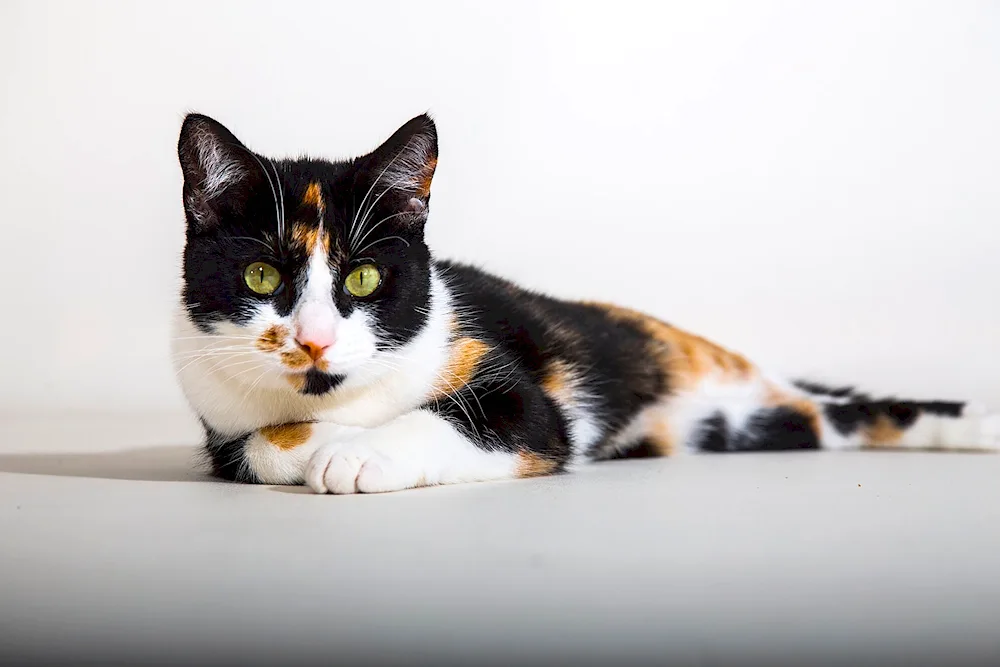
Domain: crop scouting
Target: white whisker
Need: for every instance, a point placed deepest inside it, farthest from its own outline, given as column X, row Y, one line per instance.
column 384, row 238
column 281, row 194
column 374, row 227
column 350, row 231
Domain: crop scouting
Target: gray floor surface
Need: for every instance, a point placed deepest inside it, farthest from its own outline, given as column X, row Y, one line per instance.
column 115, row 549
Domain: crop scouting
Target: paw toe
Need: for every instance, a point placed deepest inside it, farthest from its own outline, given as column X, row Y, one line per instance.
column 316, row 469
column 360, row 468
column 380, row 474
column 372, row 477
column 342, row 472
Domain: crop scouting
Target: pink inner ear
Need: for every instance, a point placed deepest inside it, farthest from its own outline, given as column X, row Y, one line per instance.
column 415, row 205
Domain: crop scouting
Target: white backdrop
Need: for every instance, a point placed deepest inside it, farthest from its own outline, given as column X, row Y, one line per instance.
column 815, row 185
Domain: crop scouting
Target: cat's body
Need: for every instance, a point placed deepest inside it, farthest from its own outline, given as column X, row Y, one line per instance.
column 319, row 342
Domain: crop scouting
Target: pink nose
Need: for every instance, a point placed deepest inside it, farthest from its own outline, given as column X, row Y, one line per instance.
column 314, row 343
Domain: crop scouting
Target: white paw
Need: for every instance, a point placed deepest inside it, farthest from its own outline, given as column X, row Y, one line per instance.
column 358, row 467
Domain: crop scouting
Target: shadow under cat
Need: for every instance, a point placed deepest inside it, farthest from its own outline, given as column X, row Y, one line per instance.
column 171, row 463
column 168, row 463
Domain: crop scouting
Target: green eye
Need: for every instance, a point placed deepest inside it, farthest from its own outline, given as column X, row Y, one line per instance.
column 262, row 278
column 362, row 281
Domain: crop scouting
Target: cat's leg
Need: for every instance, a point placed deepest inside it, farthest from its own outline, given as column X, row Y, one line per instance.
column 418, row 449
column 486, row 433
column 273, row 454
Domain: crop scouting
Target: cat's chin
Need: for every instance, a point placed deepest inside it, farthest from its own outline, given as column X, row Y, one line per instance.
column 314, row 382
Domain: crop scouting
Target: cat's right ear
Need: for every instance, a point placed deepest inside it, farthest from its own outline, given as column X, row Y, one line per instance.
column 219, row 172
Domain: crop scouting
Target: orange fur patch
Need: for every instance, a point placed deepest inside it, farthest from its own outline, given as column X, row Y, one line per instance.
column 465, row 355
column 314, row 197
column 306, row 238
column 295, row 359
column 558, row 381
column 287, row 436
column 883, row 433
column 424, row 187
column 685, row 355
column 530, row 464
column 661, row 437
column 273, row 338
column 298, row 382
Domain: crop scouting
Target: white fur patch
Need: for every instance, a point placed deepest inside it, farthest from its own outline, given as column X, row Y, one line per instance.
column 970, row 431
column 275, row 465
column 735, row 400
column 418, row 449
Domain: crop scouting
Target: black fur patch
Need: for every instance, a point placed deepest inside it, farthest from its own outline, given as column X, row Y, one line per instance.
column 506, row 411
column 847, row 418
column 643, row 449
column 712, row 434
column 770, row 429
column 535, row 330
column 776, row 429
column 823, row 390
column 226, row 456
column 860, row 410
column 318, row 383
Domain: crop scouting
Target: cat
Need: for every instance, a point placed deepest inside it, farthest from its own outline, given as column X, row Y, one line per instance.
column 320, row 342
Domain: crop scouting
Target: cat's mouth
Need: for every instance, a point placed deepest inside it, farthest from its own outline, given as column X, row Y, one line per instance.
column 314, row 382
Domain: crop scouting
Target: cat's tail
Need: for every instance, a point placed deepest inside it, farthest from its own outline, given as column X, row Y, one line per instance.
column 851, row 419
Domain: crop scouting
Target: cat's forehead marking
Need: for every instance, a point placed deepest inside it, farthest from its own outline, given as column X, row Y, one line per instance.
column 313, row 197
column 305, row 237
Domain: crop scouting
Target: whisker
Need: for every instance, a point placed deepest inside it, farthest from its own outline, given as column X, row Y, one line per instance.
column 281, row 193
column 199, row 358
column 252, row 387
column 374, row 227
column 278, row 214
column 250, row 238
column 372, row 206
column 213, row 337
column 384, row 238
column 375, row 182
column 220, row 366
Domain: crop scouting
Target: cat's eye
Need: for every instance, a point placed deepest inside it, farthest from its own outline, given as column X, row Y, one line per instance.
column 362, row 281
column 262, row 278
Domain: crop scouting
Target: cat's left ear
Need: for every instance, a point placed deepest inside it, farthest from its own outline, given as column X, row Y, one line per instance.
column 399, row 172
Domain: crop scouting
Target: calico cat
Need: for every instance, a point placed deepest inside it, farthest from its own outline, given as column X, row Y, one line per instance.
column 320, row 342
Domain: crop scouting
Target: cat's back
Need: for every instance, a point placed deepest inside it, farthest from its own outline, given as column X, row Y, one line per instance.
column 605, row 348
column 517, row 315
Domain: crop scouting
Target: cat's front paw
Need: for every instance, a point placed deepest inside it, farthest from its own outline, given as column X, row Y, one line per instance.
column 358, row 467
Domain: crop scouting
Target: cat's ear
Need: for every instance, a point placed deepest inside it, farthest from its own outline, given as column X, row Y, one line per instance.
column 399, row 172
column 219, row 171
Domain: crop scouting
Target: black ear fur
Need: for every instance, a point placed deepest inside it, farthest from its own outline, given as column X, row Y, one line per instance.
column 399, row 172
column 219, row 171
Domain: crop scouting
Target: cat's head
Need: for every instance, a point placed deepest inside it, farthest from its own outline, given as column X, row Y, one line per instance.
column 307, row 267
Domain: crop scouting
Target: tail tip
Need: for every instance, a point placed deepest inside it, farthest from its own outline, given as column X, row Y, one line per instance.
column 974, row 409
